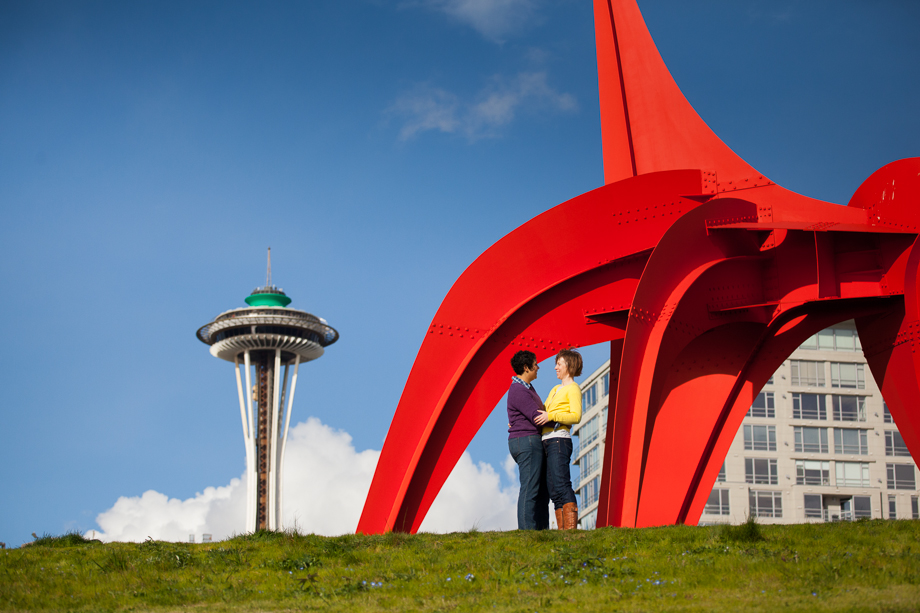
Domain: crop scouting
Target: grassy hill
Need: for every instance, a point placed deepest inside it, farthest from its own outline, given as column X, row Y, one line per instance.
column 866, row 565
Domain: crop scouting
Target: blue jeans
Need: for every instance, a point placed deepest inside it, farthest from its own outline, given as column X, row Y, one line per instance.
column 558, row 478
column 533, row 500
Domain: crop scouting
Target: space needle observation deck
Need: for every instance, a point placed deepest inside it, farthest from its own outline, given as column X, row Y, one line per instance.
column 260, row 339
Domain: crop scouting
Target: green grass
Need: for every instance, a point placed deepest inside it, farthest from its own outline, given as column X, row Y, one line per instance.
column 861, row 566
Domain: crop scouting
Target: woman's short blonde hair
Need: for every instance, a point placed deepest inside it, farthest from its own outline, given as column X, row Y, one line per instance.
column 573, row 361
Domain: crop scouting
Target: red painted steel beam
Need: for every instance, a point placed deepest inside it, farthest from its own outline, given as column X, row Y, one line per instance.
column 702, row 274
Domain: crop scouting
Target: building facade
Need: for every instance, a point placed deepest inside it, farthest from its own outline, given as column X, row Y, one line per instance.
column 818, row 444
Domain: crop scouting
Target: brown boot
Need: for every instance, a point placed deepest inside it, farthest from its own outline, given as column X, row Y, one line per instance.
column 569, row 516
column 559, row 519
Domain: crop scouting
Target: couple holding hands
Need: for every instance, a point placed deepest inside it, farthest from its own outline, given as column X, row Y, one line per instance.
column 540, row 440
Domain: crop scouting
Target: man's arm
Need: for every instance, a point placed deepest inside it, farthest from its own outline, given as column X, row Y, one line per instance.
column 534, row 410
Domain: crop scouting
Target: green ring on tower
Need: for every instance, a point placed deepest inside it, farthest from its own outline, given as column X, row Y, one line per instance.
column 269, row 300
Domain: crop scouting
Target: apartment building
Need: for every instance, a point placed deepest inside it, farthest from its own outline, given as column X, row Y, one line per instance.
column 818, row 444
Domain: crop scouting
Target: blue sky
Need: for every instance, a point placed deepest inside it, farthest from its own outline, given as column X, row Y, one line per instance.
column 149, row 153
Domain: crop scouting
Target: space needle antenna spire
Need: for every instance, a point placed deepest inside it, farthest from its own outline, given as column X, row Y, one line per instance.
column 268, row 275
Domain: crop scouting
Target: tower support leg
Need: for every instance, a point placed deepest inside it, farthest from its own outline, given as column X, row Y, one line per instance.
column 251, row 487
column 247, row 434
column 273, row 419
column 287, row 424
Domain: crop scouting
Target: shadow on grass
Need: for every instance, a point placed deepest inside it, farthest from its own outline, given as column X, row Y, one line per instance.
column 748, row 532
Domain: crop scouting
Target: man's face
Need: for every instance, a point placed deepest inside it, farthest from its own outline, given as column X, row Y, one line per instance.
column 530, row 373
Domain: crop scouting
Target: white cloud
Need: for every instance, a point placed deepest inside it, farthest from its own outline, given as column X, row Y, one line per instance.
column 472, row 497
column 427, row 108
column 218, row 510
column 494, row 19
column 326, row 482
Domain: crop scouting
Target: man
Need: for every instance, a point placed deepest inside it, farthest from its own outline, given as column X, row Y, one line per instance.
column 525, row 416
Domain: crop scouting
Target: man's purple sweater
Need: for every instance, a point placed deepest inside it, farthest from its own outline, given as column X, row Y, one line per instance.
column 523, row 404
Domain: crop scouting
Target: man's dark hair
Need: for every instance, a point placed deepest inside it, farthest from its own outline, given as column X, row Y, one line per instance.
column 522, row 360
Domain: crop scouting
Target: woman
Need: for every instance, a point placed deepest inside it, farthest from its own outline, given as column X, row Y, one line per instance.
column 563, row 408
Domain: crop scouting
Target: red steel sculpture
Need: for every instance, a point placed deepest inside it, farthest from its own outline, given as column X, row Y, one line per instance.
column 701, row 273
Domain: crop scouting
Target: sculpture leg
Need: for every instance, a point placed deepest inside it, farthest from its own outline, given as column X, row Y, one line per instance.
column 890, row 345
column 609, row 476
column 702, row 380
column 668, row 314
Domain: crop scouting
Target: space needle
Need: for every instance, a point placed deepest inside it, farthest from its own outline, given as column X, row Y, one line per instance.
column 259, row 340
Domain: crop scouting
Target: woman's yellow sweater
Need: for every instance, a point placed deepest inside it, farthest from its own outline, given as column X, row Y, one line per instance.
column 563, row 406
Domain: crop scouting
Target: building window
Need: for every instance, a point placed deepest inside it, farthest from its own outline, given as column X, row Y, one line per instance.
column 589, row 397
column 589, row 521
column 591, row 461
column 848, row 376
column 901, row 477
column 849, row 408
column 589, row 432
column 834, row 339
column 759, row 438
column 808, row 406
column 915, row 507
column 847, row 440
column 717, row 503
column 770, row 380
column 855, row 508
column 814, row 509
column 823, row 340
column 763, row 406
column 605, row 384
column 589, row 492
column 807, row 373
column 887, row 419
column 810, row 343
column 892, row 506
column 760, row 470
column 604, row 419
column 721, row 477
column 766, row 504
column 846, row 340
column 810, row 440
column 852, row 474
column 862, row 507
column 894, row 444
column 812, row 472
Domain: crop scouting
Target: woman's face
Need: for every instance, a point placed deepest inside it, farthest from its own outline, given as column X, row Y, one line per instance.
column 562, row 370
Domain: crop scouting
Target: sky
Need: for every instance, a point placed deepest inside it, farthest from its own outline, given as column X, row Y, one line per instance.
column 151, row 152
